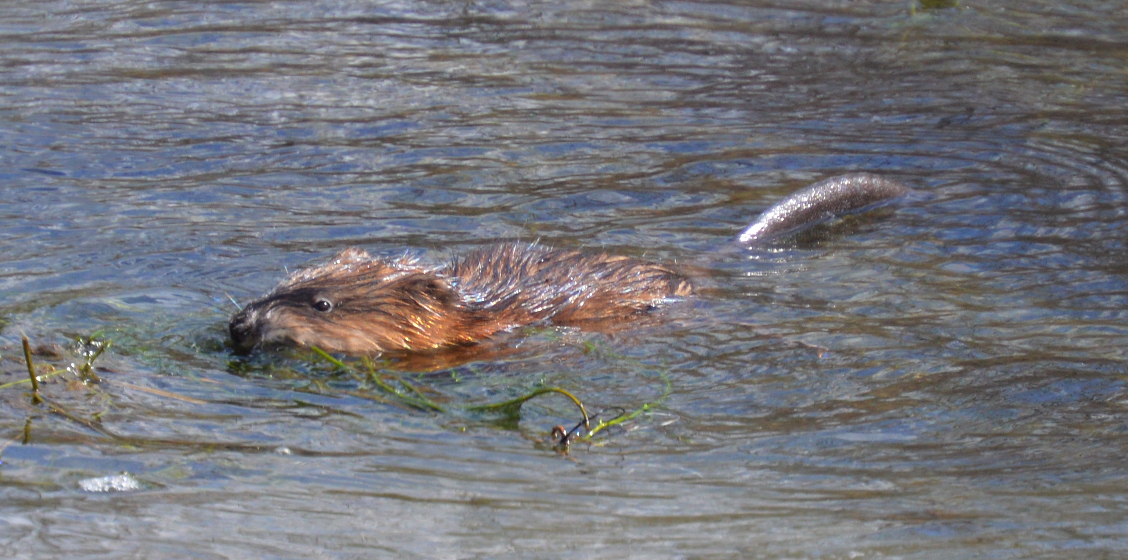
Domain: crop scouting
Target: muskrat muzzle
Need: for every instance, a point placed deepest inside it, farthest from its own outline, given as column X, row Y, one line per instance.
column 244, row 335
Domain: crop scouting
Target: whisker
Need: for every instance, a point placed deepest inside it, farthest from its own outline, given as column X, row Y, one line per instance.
column 232, row 300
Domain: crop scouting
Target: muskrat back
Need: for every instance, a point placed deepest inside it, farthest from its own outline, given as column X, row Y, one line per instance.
column 363, row 305
column 359, row 304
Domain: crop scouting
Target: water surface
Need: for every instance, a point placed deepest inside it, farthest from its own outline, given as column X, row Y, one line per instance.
column 946, row 380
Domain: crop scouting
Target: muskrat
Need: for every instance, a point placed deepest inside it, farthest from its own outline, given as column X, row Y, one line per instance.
column 357, row 304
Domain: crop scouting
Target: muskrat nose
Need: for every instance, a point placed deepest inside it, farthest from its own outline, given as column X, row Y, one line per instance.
column 241, row 329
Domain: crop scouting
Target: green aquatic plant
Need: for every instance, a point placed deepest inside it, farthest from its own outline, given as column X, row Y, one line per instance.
column 92, row 347
column 405, row 393
column 394, row 389
column 370, row 380
column 31, row 372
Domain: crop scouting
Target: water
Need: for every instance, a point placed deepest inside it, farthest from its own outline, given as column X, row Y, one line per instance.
column 942, row 381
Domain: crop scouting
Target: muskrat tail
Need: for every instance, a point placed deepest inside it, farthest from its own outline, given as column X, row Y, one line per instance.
column 837, row 196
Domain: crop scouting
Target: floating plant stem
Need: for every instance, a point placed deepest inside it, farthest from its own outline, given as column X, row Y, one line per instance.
column 87, row 368
column 414, row 399
column 39, row 377
column 601, row 425
column 408, row 394
column 512, row 407
column 31, row 372
column 328, row 357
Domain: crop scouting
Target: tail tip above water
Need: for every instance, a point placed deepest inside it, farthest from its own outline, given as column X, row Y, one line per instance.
column 836, row 196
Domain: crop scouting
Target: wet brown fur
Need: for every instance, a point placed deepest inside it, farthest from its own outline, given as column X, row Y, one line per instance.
column 370, row 306
column 383, row 305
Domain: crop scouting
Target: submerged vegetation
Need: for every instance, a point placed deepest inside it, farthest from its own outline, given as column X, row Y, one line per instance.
column 368, row 380
column 391, row 388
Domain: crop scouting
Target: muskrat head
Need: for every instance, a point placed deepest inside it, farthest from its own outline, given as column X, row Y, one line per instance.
column 353, row 304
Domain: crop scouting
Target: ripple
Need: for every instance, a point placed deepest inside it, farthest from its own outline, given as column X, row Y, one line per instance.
column 901, row 383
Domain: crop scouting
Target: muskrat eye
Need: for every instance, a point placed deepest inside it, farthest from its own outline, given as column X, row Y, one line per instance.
column 323, row 305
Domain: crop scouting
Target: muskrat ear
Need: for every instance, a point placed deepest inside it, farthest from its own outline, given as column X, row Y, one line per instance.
column 425, row 288
column 351, row 255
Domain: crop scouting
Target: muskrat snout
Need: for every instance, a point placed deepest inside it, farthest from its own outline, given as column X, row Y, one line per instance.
column 242, row 330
